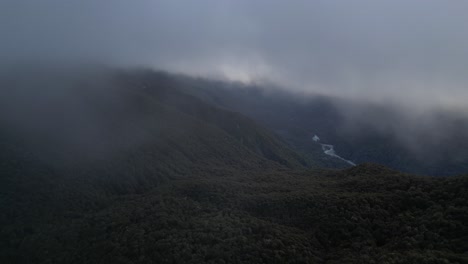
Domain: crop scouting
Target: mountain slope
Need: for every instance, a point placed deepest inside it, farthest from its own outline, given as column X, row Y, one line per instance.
column 295, row 121
column 127, row 167
column 430, row 143
column 76, row 146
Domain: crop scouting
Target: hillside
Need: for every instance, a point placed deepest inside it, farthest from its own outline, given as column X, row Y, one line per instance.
column 129, row 167
column 431, row 143
column 295, row 121
column 100, row 138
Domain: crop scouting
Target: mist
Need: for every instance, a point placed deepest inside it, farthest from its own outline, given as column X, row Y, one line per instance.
column 69, row 116
column 405, row 51
column 396, row 67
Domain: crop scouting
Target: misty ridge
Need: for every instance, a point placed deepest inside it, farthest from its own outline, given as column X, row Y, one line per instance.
column 73, row 111
column 390, row 72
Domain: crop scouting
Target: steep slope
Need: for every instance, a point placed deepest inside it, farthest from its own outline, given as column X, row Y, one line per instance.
column 179, row 95
column 295, row 121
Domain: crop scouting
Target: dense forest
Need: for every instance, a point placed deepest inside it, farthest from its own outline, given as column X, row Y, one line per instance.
column 129, row 166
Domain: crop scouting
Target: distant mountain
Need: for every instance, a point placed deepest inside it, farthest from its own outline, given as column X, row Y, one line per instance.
column 133, row 166
column 433, row 143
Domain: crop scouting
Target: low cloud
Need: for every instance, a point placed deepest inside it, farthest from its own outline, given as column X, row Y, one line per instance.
column 409, row 51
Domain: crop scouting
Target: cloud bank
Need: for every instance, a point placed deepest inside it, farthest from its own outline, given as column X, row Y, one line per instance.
column 411, row 51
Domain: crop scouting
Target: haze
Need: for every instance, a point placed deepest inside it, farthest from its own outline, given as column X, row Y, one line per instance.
column 410, row 51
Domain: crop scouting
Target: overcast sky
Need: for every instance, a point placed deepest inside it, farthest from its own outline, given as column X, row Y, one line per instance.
column 415, row 51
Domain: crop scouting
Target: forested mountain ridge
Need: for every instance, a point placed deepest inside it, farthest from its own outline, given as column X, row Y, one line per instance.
column 133, row 169
column 433, row 142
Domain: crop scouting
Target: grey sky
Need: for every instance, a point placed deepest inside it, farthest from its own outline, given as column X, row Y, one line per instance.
column 414, row 51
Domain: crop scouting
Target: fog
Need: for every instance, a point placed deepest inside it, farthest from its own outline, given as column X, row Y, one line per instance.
column 73, row 115
column 392, row 68
column 407, row 51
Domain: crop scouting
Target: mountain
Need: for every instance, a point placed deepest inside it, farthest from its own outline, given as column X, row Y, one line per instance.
column 135, row 166
column 75, row 145
column 276, row 110
column 431, row 143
